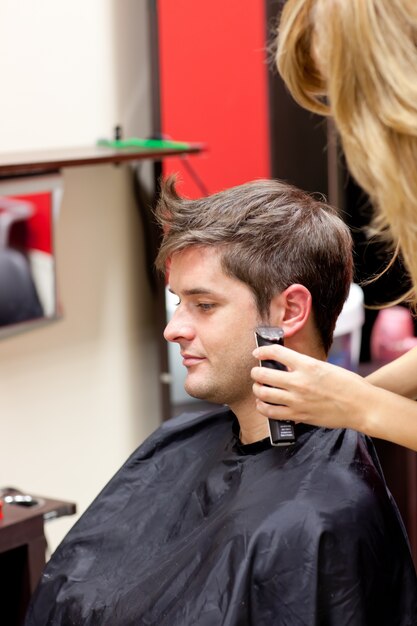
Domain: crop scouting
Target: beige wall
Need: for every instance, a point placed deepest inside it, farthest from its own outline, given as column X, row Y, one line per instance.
column 78, row 395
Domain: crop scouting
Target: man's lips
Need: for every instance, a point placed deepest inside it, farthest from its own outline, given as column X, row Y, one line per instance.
column 191, row 359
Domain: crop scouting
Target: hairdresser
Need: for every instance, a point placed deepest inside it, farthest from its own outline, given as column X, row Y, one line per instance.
column 356, row 60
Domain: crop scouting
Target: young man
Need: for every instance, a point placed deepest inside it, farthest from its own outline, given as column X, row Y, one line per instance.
column 207, row 523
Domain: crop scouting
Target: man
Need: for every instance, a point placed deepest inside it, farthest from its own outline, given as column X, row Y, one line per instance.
column 207, row 523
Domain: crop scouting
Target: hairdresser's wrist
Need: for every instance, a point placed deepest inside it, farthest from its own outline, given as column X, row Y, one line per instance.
column 387, row 415
column 365, row 409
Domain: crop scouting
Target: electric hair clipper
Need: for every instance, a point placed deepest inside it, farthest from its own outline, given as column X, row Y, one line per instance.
column 281, row 433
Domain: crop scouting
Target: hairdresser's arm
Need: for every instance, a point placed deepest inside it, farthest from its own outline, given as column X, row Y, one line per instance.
column 318, row 393
column 400, row 376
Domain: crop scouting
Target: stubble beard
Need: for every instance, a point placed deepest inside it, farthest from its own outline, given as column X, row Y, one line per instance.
column 223, row 388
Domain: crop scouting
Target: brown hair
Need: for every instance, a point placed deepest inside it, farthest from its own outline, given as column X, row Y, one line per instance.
column 357, row 61
column 271, row 235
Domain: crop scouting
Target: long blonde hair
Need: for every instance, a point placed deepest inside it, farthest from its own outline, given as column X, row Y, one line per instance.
column 357, row 61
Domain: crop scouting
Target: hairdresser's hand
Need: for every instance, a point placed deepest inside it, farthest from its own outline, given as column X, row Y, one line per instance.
column 310, row 391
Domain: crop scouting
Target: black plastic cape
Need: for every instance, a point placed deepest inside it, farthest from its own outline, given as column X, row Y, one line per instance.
column 197, row 529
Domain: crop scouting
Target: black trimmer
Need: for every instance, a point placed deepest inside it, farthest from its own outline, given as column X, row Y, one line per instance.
column 281, row 433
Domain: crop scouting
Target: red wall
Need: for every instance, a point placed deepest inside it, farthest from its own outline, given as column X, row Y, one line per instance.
column 213, row 77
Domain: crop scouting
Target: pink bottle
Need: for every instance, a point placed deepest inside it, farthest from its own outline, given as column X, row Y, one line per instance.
column 392, row 334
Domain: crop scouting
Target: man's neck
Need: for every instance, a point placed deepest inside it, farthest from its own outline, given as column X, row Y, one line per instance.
column 253, row 425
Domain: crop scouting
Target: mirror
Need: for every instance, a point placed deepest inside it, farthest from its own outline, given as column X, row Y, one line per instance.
column 28, row 210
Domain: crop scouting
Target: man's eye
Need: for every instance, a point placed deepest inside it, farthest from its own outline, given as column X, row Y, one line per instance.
column 205, row 306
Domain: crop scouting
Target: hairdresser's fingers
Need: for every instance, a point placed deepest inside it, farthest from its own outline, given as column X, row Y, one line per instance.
column 279, row 404
column 272, row 377
column 317, row 393
column 276, row 412
column 286, row 356
column 309, row 380
column 274, row 395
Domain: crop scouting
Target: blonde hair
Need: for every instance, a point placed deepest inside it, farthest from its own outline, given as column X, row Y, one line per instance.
column 357, row 61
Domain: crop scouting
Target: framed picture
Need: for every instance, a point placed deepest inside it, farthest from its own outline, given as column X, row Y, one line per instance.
column 29, row 209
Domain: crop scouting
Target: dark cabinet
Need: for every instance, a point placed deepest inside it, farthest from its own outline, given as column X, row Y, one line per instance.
column 22, row 553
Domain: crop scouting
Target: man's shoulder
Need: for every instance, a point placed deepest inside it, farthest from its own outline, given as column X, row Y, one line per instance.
column 338, row 505
column 340, row 481
column 196, row 417
column 163, row 455
column 190, row 431
column 187, row 425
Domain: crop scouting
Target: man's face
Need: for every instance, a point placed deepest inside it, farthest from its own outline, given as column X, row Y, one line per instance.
column 214, row 326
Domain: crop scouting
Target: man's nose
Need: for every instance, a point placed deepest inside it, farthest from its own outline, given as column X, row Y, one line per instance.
column 179, row 328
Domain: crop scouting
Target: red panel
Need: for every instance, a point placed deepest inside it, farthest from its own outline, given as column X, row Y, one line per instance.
column 214, row 88
column 36, row 232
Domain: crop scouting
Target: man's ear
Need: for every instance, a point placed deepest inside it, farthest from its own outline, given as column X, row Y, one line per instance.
column 291, row 309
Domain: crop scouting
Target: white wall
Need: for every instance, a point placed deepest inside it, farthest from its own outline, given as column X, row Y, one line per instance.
column 71, row 70
column 78, row 395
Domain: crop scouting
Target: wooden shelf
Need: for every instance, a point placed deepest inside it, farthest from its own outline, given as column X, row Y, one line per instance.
column 24, row 163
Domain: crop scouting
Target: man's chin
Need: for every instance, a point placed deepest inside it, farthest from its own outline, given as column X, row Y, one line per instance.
column 201, row 393
column 198, row 395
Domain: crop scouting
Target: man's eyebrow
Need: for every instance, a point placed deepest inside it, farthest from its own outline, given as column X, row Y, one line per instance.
column 196, row 291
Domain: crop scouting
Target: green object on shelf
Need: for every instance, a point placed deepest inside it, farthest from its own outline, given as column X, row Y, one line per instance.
column 134, row 142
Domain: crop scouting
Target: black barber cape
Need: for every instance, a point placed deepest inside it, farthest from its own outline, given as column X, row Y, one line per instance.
column 197, row 529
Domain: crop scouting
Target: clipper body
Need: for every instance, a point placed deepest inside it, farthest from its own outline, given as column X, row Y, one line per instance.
column 281, row 433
